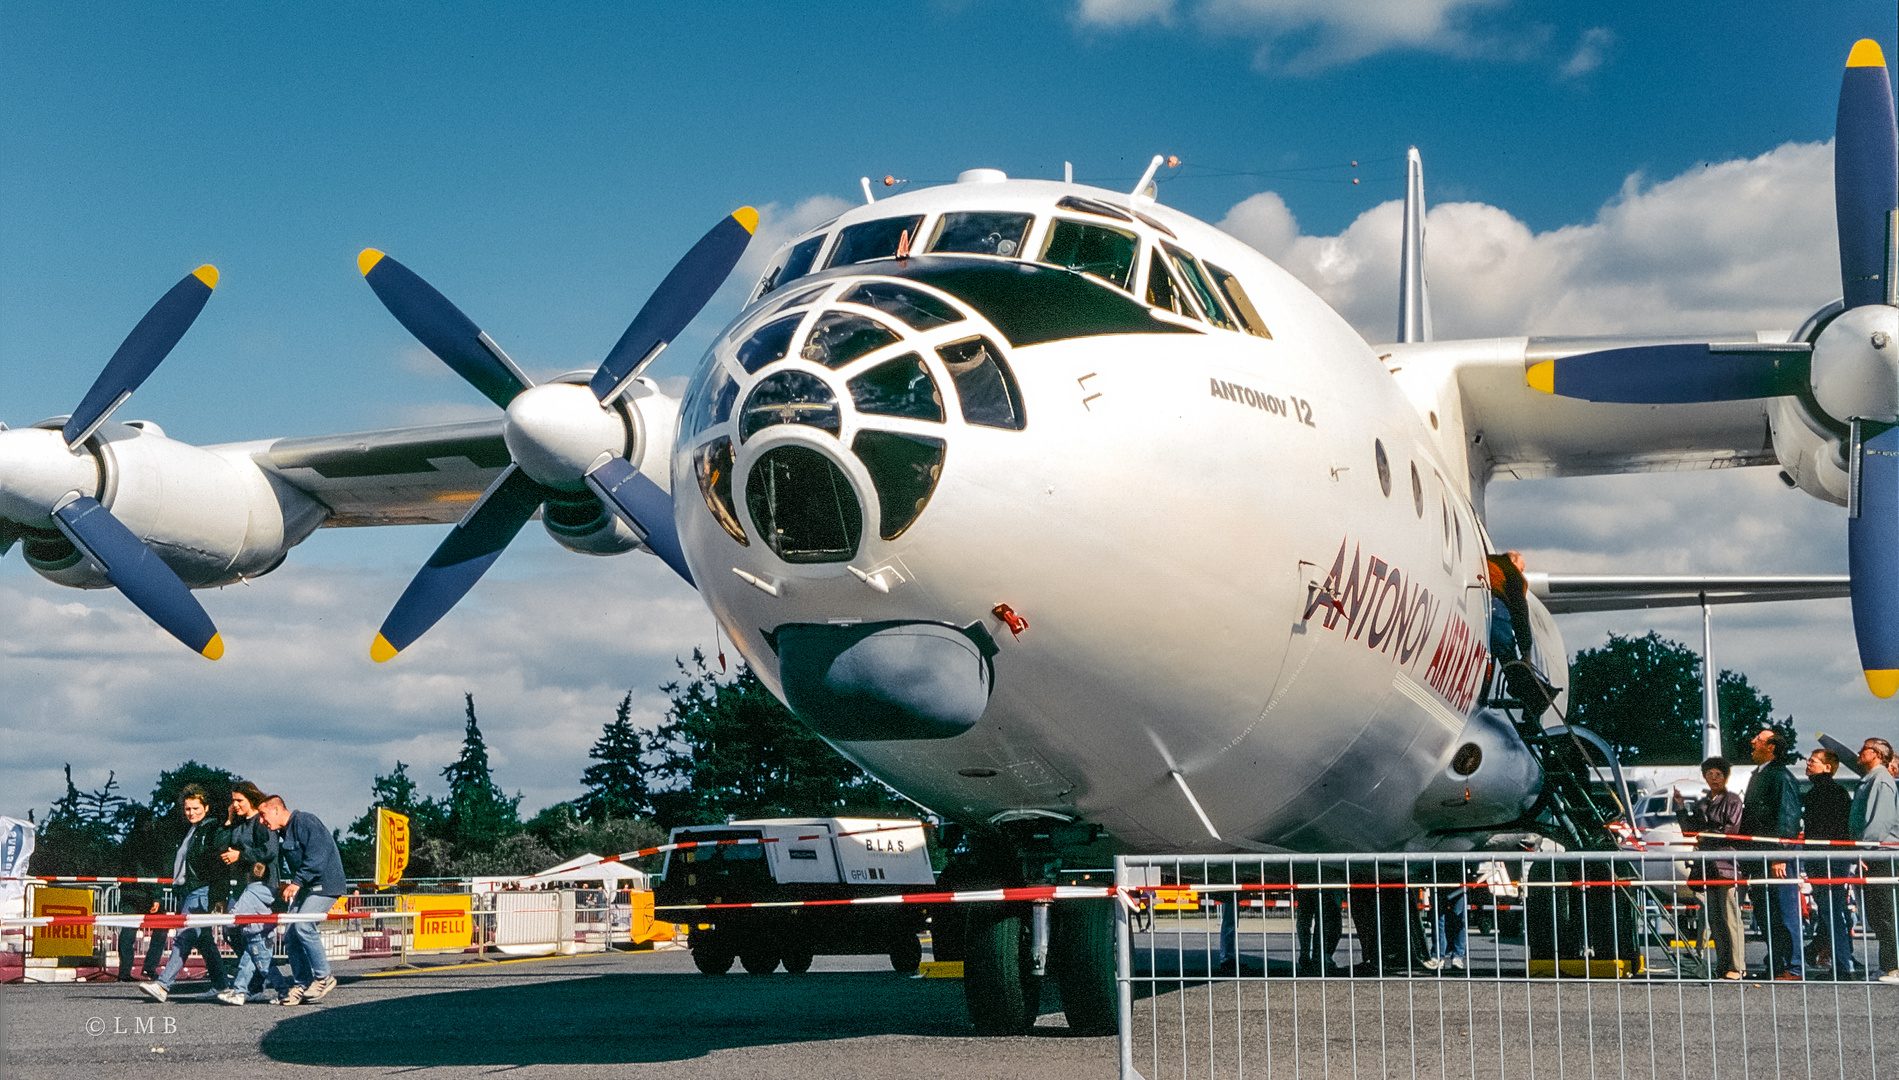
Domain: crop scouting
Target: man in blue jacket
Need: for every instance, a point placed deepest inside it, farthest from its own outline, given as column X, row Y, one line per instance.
column 312, row 882
column 1772, row 808
column 1875, row 816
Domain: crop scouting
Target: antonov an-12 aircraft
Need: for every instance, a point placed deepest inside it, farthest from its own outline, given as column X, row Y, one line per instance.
column 1064, row 513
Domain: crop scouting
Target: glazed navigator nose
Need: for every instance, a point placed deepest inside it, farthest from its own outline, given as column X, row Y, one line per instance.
column 882, row 681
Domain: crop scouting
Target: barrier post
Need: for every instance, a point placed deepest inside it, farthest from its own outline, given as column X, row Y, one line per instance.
column 1123, row 973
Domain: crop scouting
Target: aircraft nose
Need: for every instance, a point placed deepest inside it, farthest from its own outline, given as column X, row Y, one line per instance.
column 888, row 680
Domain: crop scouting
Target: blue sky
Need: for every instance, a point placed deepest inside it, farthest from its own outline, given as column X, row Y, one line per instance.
column 544, row 166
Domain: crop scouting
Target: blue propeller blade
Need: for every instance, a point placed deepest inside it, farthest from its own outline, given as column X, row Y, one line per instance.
column 139, row 573
column 149, row 343
column 640, row 503
column 470, row 549
column 1672, row 374
column 678, row 299
column 441, row 326
column 1872, row 545
column 1865, row 173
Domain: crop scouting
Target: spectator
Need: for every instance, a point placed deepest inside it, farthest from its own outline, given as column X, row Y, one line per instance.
column 1771, row 808
column 1449, row 906
column 313, row 882
column 1718, row 812
column 250, row 848
column 194, row 867
column 1827, row 807
column 147, row 854
column 1875, row 816
column 1318, row 925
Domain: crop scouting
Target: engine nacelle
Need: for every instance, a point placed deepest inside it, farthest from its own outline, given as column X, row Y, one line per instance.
column 1810, row 450
column 577, row 520
column 213, row 516
column 1489, row 781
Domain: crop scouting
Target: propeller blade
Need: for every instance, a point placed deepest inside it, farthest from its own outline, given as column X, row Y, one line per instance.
column 685, row 291
column 470, row 549
column 139, row 573
column 639, row 502
column 1676, row 374
column 1865, row 174
column 140, row 353
column 1872, row 545
column 442, row 327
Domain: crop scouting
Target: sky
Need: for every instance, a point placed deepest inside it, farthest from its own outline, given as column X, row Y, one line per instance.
column 1591, row 167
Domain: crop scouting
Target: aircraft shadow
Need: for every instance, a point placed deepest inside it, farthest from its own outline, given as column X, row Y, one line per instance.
column 620, row 1019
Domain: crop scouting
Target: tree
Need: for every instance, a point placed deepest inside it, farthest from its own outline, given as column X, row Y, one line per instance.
column 394, row 791
column 616, row 787
column 83, row 830
column 1744, row 712
column 1643, row 695
column 215, row 781
column 733, row 748
column 479, row 815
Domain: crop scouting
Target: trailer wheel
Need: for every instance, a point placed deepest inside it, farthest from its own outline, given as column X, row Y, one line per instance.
column 906, row 952
column 1081, row 952
column 798, row 961
column 999, row 983
column 759, row 958
column 711, row 955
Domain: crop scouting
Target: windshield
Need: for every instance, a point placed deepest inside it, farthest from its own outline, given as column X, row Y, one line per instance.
column 1097, row 250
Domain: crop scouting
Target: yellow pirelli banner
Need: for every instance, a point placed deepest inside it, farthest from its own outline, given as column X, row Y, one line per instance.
column 62, row 940
column 392, row 846
column 441, row 922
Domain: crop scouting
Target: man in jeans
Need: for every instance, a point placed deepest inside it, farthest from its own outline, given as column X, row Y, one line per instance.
column 192, row 871
column 1875, row 816
column 1771, row 808
column 313, row 881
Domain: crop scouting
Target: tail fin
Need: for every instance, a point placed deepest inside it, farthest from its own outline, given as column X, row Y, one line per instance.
column 1414, row 299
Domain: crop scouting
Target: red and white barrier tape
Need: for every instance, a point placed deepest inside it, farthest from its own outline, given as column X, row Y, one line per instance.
column 1785, row 842
column 193, row 921
column 86, row 877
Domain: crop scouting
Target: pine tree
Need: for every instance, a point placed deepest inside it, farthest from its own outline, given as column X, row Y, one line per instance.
column 616, row 787
column 479, row 815
column 395, row 791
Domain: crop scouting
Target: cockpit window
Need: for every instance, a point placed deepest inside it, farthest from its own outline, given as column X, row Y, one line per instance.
column 769, row 344
column 918, row 309
column 984, row 384
column 1164, row 230
column 1190, row 272
column 712, row 464
column 900, row 387
column 904, row 469
column 839, row 337
column 789, row 397
column 1097, row 250
column 801, row 296
column 710, row 402
column 803, row 506
column 796, row 265
column 982, row 233
column 869, row 240
column 1161, row 290
column 1092, row 206
column 1242, row 304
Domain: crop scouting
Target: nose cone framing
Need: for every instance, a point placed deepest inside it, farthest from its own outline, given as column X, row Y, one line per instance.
column 883, row 681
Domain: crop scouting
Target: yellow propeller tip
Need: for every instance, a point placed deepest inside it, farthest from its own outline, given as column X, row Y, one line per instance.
column 367, row 260
column 1542, row 376
column 207, row 274
column 380, row 650
column 213, row 649
column 748, row 217
column 1866, row 53
column 1883, row 683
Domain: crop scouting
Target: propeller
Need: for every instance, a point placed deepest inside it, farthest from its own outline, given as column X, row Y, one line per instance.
column 1851, row 368
column 43, row 475
column 564, row 439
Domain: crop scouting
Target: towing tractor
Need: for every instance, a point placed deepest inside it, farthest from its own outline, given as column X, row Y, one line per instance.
column 774, row 860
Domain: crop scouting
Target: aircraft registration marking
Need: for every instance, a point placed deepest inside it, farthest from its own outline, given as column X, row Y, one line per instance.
column 1293, row 408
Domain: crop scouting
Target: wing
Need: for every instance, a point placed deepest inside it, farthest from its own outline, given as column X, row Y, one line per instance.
column 1567, row 593
column 401, row 476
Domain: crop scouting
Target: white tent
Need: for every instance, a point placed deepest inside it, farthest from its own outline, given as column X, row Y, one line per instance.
column 585, row 869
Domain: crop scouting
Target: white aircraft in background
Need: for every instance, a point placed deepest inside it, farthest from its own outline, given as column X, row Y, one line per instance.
column 1064, row 513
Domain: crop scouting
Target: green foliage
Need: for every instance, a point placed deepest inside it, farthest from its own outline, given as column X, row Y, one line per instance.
column 215, row 781
column 731, row 748
column 397, row 792
column 83, row 831
column 1643, row 695
column 479, row 814
column 616, row 787
column 561, row 829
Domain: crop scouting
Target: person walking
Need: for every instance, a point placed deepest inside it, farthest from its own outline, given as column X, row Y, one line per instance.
column 194, row 867
column 146, row 853
column 1771, row 808
column 313, row 881
column 1719, row 813
column 1875, row 816
column 250, row 853
column 1827, row 807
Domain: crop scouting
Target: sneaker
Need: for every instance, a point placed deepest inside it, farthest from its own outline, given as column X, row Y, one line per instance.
column 327, row 983
column 155, row 991
column 1890, row 977
column 1457, row 962
column 292, row 996
column 1434, row 964
column 230, row 997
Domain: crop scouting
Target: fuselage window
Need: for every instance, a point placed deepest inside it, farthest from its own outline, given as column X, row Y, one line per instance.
column 982, row 233
column 839, row 337
column 880, row 239
column 789, row 397
column 1417, row 499
column 985, row 386
column 1161, row 290
column 1189, row 268
column 900, row 387
column 796, row 265
column 1096, row 250
column 1092, row 206
column 769, row 344
column 803, row 506
column 1164, row 230
column 904, row 469
column 1242, row 304
column 1384, row 466
column 712, row 463
column 918, row 309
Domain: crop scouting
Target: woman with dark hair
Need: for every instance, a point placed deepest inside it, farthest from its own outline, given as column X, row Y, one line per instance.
column 249, row 850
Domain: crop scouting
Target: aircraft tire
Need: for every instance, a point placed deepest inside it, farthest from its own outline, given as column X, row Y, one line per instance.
column 1081, row 952
column 946, row 932
column 999, row 984
column 906, row 952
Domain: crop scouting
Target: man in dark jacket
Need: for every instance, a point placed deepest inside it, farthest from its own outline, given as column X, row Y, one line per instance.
column 1827, row 807
column 1772, row 808
column 312, row 882
column 146, row 853
column 194, row 867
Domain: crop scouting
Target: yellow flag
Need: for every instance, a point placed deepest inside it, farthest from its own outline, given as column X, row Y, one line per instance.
column 392, row 846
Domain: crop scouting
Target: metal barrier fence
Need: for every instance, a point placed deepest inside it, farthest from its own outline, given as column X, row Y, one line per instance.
column 1494, row 964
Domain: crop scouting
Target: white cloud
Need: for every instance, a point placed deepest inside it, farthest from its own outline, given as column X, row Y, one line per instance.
column 1589, row 52
column 1305, row 35
column 1118, row 13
